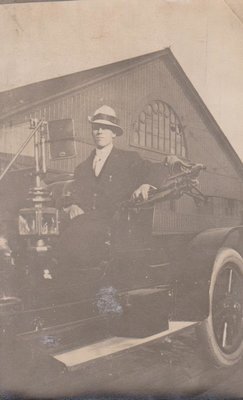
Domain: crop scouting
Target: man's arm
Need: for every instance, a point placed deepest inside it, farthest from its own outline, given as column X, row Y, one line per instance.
column 143, row 191
column 155, row 174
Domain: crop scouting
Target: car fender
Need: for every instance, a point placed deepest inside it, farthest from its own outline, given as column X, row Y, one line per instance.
column 195, row 271
column 204, row 247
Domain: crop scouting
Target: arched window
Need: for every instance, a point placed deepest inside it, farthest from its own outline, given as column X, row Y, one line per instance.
column 159, row 128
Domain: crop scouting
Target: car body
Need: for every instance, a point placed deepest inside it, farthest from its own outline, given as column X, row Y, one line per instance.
column 176, row 258
column 139, row 286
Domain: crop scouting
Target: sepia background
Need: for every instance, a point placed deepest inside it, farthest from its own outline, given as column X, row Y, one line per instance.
column 49, row 39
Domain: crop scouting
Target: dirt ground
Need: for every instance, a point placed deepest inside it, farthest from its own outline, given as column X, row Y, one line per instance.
column 171, row 367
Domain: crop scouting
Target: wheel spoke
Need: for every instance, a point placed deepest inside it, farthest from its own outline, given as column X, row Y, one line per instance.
column 227, row 318
column 224, row 334
column 224, row 328
column 230, row 280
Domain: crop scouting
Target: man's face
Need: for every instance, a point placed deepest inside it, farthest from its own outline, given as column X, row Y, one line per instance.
column 103, row 135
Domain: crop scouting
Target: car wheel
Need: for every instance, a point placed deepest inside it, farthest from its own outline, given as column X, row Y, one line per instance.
column 222, row 332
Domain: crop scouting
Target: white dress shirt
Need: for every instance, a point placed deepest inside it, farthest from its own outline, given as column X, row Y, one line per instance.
column 100, row 158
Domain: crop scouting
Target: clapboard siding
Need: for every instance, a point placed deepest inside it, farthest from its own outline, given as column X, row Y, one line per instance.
column 128, row 92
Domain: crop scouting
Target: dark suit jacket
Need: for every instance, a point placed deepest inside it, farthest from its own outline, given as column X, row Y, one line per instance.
column 122, row 173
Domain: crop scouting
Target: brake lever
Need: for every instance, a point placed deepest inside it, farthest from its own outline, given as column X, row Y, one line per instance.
column 193, row 172
column 174, row 188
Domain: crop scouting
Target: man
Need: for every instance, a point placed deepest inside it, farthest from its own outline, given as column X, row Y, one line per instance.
column 101, row 183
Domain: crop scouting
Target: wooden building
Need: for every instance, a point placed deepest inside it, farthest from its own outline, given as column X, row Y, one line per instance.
column 161, row 114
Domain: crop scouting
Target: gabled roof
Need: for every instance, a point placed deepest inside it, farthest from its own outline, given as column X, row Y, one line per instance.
column 21, row 99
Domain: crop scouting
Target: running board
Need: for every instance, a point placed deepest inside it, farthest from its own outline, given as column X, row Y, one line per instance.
column 81, row 355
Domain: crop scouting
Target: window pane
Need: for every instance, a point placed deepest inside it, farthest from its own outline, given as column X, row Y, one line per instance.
column 142, row 134
column 173, row 143
column 167, row 130
column 158, row 127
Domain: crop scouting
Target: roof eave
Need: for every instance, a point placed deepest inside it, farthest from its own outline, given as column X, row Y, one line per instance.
column 140, row 60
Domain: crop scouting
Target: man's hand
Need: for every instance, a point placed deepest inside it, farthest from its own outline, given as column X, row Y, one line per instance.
column 142, row 191
column 73, row 211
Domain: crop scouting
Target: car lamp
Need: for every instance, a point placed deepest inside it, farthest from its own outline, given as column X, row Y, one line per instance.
column 41, row 222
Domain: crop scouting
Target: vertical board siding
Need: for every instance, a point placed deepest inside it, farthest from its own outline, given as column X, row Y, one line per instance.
column 18, row 134
column 128, row 93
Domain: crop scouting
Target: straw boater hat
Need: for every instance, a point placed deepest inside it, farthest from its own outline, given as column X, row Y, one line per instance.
column 105, row 115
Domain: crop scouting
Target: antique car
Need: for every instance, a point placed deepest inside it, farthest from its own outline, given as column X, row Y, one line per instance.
column 142, row 283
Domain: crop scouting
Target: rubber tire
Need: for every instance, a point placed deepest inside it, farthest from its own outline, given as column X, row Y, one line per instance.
column 205, row 329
